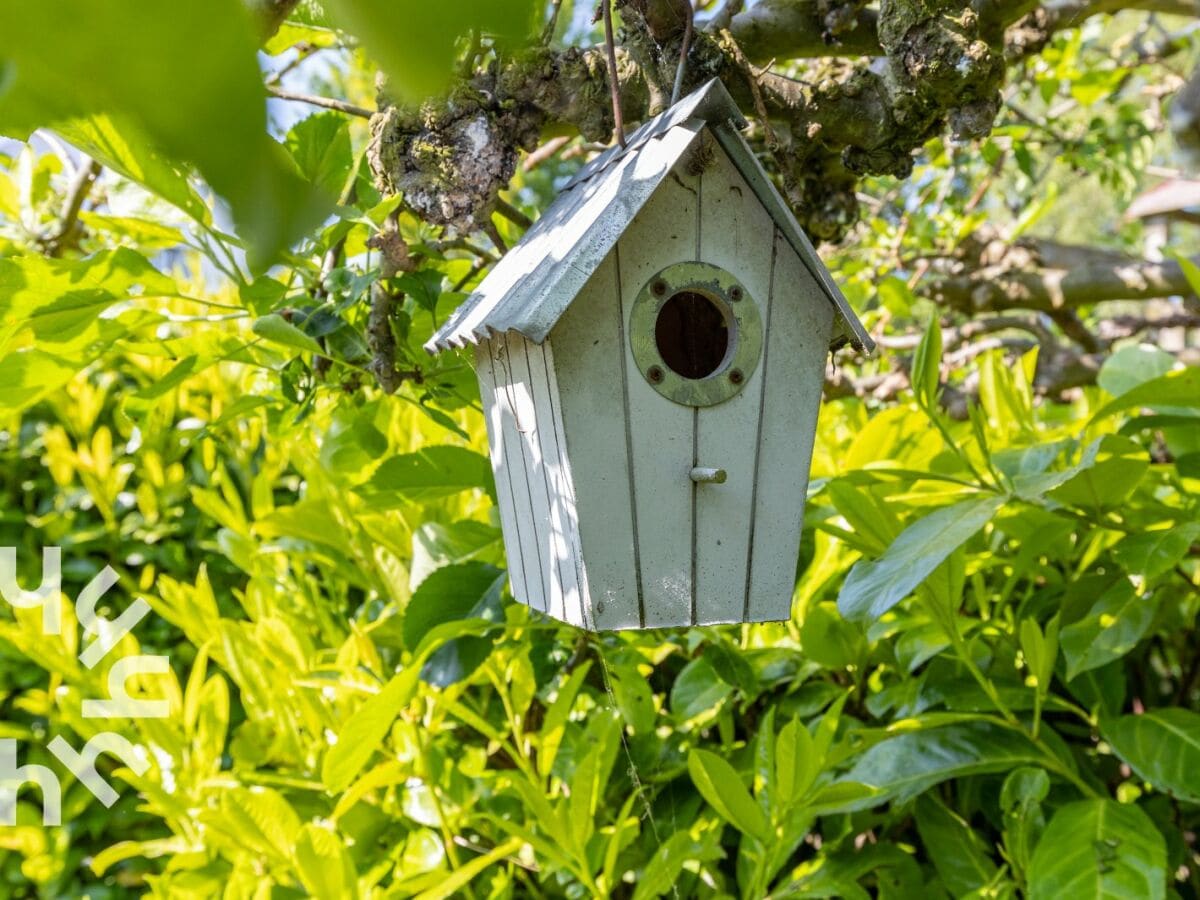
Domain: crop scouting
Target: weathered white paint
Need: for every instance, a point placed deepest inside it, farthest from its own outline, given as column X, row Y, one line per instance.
column 587, row 348
column 793, row 367
column 516, row 543
column 736, row 234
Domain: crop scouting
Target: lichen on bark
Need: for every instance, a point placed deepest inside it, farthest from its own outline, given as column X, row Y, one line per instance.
column 840, row 118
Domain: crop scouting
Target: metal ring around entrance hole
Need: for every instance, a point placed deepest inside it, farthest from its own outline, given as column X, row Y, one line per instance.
column 743, row 321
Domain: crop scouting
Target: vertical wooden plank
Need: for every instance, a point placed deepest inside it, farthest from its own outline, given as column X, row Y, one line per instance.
column 528, row 493
column 737, row 234
column 796, row 351
column 661, row 432
column 588, row 356
column 549, row 459
column 514, row 550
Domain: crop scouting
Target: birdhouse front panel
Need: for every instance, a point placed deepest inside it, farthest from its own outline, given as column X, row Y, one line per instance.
column 651, row 358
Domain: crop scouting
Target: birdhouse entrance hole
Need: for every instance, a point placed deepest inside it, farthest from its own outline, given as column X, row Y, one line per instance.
column 696, row 334
column 692, row 334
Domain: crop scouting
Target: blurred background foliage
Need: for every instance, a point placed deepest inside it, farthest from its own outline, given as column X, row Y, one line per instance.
column 989, row 682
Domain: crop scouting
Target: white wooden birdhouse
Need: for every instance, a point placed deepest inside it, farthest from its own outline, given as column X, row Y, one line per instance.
column 651, row 358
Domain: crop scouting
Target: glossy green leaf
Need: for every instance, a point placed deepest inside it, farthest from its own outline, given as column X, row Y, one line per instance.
column 427, row 475
column 961, row 858
column 721, row 786
column 1153, row 553
column 697, row 690
column 926, row 365
column 908, row 764
column 873, row 587
column 1178, row 388
column 129, row 154
column 364, row 732
column 1104, row 480
column 320, row 145
column 1109, row 630
column 1099, row 849
column 278, row 330
column 324, row 865
column 1130, row 367
column 1162, row 746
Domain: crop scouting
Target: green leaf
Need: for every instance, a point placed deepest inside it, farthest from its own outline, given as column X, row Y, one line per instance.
column 1162, row 746
column 426, row 475
column 364, row 732
column 1116, row 466
column 1109, row 630
column 874, row 587
column 719, row 784
column 1133, row 366
column 1099, row 849
column 324, row 865
column 1021, row 799
column 830, row 640
column 449, row 594
column 590, row 779
column 278, row 330
column 415, row 42
column 1154, row 553
column 926, row 365
column 958, row 853
column 259, row 818
column 1178, row 388
column 182, row 78
column 466, row 593
column 697, row 690
column 129, row 154
column 796, row 762
column 320, row 145
column 469, row 871
column 59, row 300
column 634, row 697
column 907, row 765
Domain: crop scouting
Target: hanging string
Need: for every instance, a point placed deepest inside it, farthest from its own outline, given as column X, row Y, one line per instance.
column 677, row 91
column 613, row 84
column 638, row 787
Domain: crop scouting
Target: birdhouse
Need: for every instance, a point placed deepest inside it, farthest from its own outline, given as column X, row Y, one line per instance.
column 651, row 357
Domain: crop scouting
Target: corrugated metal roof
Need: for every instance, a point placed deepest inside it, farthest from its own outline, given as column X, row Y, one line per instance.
column 535, row 282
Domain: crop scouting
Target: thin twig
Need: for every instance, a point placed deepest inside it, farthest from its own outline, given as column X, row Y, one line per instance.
column 551, row 22
column 489, row 228
column 610, row 49
column 327, row 102
column 85, row 177
column 688, row 28
column 514, row 215
column 544, row 152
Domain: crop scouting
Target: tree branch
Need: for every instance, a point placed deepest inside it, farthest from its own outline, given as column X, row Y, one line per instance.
column 327, row 102
column 994, row 289
column 65, row 235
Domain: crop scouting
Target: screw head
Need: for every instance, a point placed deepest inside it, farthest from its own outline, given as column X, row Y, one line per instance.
column 736, row 376
column 735, row 293
column 655, row 374
column 659, row 287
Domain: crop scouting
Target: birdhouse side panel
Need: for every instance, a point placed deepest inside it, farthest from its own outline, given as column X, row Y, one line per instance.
column 793, row 368
column 736, row 234
column 532, row 478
